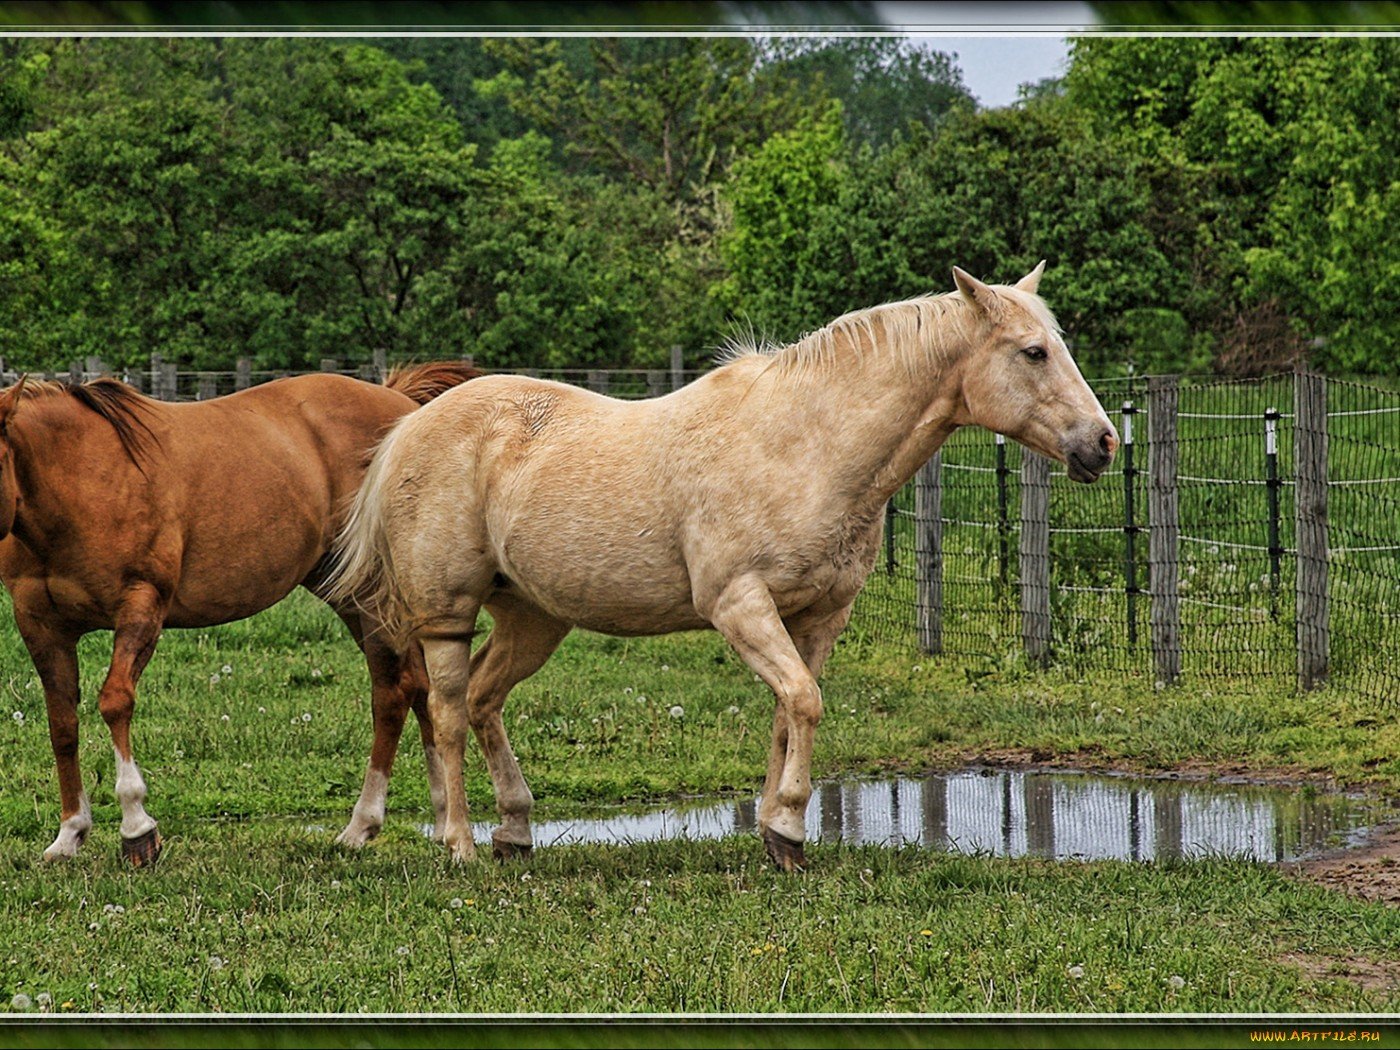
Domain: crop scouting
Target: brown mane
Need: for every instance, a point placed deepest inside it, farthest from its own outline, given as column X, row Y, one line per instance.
column 424, row 382
column 120, row 405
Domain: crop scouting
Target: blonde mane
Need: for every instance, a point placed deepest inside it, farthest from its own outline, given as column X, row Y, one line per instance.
column 915, row 329
column 918, row 330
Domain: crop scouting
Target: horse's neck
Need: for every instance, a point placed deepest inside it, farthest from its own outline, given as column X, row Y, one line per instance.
column 882, row 414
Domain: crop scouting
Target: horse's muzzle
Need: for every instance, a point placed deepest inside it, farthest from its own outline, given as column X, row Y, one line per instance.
column 1088, row 457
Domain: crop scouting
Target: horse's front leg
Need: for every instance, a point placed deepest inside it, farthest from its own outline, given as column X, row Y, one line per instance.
column 138, row 626
column 55, row 656
column 747, row 617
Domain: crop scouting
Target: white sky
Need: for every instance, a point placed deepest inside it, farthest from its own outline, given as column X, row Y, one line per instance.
column 999, row 46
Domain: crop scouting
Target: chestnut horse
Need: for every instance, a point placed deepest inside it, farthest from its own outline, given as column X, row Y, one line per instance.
column 750, row 502
column 119, row 512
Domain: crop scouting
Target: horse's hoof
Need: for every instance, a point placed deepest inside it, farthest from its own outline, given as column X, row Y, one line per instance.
column 504, row 851
column 356, row 838
column 142, row 851
column 786, row 853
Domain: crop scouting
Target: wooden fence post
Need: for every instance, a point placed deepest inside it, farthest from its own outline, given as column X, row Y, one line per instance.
column 928, row 553
column 76, row 373
column 168, row 381
column 208, row 387
column 330, row 364
column 677, row 368
column 656, row 382
column 598, row 381
column 380, row 360
column 1164, row 528
column 242, row 374
column 1035, row 556
column 1310, row 510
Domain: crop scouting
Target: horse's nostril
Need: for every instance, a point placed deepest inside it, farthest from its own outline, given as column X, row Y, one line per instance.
column 1108, row 442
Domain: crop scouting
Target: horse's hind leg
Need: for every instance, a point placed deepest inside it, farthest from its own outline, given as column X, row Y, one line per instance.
column 415, row 687
column 55, row 657
column 389, row 703
column 448, row 658
column 747, row 617
column 138, row 627
column 521, row 641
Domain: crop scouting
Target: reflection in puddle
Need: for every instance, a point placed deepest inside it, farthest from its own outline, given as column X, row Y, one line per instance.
column 1014, row 814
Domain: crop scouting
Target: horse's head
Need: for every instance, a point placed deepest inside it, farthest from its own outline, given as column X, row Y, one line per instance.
column 9, row 486
column 1019, row 379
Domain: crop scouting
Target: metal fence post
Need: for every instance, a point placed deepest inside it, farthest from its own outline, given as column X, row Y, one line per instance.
column 1003, row 521
column 1130, row 525
column 1272, row 484
column 1310, row 510
column 242, row 374
column 1164, row 528
column 928, row 553
column 1035, row 556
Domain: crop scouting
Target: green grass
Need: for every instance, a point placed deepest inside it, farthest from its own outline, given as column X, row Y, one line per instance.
column 264, row 917
column 254, row 909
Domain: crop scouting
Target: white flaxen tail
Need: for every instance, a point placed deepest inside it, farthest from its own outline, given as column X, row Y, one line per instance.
column 362, row 568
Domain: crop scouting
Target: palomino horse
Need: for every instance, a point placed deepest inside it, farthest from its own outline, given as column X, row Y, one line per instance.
column 750, row 501
column 120, row 512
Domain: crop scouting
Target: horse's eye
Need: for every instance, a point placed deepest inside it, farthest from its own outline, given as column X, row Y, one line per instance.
column 1035, row 353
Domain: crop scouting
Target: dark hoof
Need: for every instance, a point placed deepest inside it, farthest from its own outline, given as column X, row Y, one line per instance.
column 142, row 852
column 783, row 851
column 504, row 851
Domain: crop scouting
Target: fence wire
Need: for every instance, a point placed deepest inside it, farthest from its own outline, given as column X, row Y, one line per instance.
column 1235, row 561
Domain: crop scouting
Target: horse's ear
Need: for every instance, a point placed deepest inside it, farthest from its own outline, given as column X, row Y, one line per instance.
column 1031, row 281
column 9, row 401
column 974, row 291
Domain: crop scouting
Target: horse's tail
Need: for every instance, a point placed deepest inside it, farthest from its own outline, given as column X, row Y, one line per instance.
column 424, row 382
column 362, row 566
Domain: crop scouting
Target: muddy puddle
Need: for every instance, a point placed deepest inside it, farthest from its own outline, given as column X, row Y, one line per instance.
column 1017, row 813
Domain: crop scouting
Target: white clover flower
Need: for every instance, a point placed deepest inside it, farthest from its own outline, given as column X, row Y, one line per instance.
column 306, row 716
column 335, row 884
column 626, row 690
column 677, row 711
column 213, row 679
column 455, row 902
column 262, row 710
column 315, row 672
column 215, row 962
column 226, row 669
column 665, row 667
column 402, row 949
column 733, row 709
column 223, row 718
column 641, row 699
column 18, row 716
column 1075, row 971
column 1177, row 982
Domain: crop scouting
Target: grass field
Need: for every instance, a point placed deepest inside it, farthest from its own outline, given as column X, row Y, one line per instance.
column 253, row 739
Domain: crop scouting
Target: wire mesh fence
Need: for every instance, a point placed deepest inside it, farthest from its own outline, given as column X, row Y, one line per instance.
column 1265, row 547
column 1247, row 529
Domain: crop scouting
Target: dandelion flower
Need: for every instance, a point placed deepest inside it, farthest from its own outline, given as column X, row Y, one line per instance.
column 1177, row 982
column 315, row 672
column 925, row 933
column 215, row 962
column 455, row 902
column 1075, row 971
column 306, row 716
column 665, row 667
column 733, row 709
column 226, row 669
column 213, row 679
column 44, row 1001
column 677, row 711
column 402, row 949
column 21, row 1002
